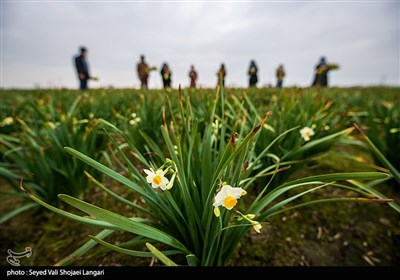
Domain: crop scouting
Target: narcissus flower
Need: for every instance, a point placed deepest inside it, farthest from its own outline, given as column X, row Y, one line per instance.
column 227, row 197
column 157, row 179
column 135, row 119
column 171, row 183
column 256, row 226
column 249, row 217
column 216, row 126
column 7, row 121
column 52, row 125
column 306, row 133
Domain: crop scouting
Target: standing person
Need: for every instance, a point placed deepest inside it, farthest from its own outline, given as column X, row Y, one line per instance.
column 82, row 68
column 193, row 77
column 221, row 74
column 321, row 73
column 253, row 78
column 166, row 75
column 143, row 71
column 280, row 74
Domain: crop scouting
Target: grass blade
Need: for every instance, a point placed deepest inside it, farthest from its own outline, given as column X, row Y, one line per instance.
column 159, row 255
column 124, row 223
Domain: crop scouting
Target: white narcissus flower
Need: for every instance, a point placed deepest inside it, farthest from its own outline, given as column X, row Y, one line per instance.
column 249, row 217
column 51, row 125
column 228, row 197
column 171, row 183
column 135, row 119
column 157, row 179
column 306, row 133
column 7, row 121
column 256, row 226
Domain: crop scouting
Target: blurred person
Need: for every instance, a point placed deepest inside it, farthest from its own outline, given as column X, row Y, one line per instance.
column 321, row 73
column 82, row 68
column 143, row 71
column 193, row 76
column 166, row 74
column 280, row 74
column 253, row 78
column 221, row 74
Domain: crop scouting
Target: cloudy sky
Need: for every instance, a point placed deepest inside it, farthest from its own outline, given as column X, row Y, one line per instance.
column 40, row 38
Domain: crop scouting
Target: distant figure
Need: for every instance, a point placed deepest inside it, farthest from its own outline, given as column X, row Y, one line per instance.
column 193, row 77
column 321, row 73
column 280, row 74
column 166, row 75
column 143, row 71
column 82, row 68
column 253, row 79
column 221, row 74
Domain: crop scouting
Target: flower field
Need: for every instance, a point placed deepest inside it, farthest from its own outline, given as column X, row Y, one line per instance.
column 201, row 177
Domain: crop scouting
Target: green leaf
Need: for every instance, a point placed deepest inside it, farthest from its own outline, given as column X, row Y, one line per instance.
column 124, row 223
column 116, row 196
column 267, row 199
column 380, row 156
column 128, row 252
column 192, row 260
column 365, row 187
column 8, row 174
column 84, row 248
column 316, row 143
column 159, row 255
column 71, row 216
column 286, row 201
column 339, row 176
column 17, row 211
column 318, row 179
column 108, row 171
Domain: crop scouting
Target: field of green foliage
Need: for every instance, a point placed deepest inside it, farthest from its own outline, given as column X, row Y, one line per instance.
column 203, row 177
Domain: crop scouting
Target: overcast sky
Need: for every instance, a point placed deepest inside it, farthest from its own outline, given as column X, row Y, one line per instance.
column 40, row 38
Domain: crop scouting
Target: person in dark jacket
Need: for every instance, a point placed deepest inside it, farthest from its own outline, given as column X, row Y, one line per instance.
column 166, row 75
column 193, row 76
column 143, row 71
column 280, row 74
column 253, row 78
column 82, row 68
column 221, row 74
column 321, row 73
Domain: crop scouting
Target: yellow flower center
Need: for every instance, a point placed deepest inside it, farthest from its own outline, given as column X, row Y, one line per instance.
column 157, row 179
column 308, row 133
column 230, row 201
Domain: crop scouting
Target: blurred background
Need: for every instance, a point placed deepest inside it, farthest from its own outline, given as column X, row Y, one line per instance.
column 39, row 40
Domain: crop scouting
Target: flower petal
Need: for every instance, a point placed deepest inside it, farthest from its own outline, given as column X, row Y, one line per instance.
column 218, row 203
column 219, row 198
column 257, row 227
column 164, row 181
column 149, row 178
column 236, row 192
column 148, row 172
